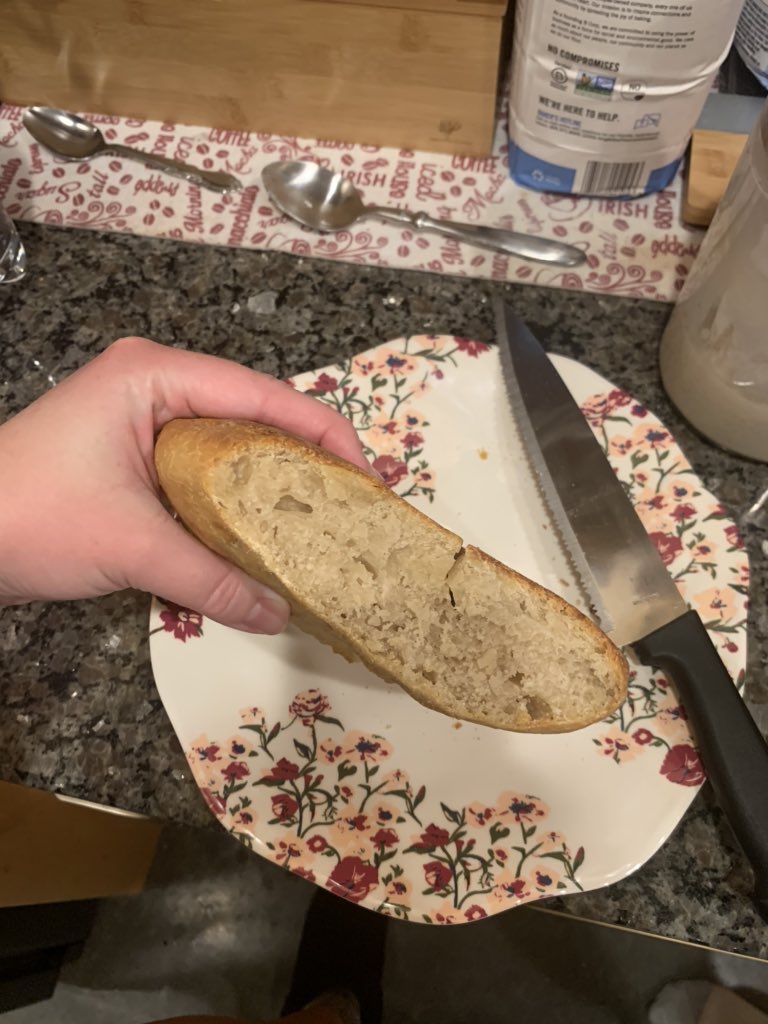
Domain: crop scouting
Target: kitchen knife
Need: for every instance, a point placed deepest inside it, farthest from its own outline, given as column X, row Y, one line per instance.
column 634, row 596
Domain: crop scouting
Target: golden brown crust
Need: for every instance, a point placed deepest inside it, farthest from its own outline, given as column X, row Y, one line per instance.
column 186, row 455
column 210, row 441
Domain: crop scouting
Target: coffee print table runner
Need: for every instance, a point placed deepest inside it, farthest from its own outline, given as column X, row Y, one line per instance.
column 634, row 248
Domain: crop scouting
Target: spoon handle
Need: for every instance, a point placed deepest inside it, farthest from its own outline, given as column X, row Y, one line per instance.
column 514, row 243
column 220, row 181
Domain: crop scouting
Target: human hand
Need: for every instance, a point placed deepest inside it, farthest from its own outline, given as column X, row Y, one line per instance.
column 81, row 514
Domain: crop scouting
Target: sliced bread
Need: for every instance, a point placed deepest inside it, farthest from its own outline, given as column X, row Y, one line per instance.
column 367, row 573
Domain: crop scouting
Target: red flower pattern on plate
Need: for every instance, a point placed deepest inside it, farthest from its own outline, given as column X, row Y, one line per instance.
column 366, row 839
column 432, row 837
column 323, row 385
column 471, row 348
column 390, row 469
column 235, row 771
column 182, row 622
column 309, row 706
column 215, row 803
column 283, row 771
column 284, row 807
column 353, row 879
column 668, row 546
column 682, row 765
column 437, row 875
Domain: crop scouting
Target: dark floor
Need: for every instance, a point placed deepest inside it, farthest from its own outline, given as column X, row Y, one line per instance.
column 217, row 930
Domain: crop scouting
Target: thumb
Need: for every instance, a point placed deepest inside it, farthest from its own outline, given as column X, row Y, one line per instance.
column 176, row 566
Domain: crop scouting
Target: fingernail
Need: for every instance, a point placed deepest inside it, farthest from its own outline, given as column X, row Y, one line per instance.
column 269, row 615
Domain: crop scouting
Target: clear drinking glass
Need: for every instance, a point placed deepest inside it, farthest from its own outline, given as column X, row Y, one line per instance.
column 13, row 258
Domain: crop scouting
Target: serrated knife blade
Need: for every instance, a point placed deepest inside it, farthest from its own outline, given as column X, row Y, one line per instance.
column 635, row 598
column 621, row 569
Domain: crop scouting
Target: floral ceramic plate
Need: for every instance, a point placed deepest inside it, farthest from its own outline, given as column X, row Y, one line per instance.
column 325, row 769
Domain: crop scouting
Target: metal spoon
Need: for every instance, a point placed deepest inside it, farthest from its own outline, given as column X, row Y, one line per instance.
column 74, row 138
column 325, row 201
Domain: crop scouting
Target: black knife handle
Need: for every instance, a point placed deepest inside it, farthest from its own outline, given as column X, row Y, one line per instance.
column 732, row 749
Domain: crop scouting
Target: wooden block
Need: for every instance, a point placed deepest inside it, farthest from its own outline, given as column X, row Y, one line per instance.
column 411, row 77
column 492, row 8
column 712, row 160
column 52, row 850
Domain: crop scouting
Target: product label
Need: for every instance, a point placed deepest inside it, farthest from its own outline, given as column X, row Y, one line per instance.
column 752, row 39
column 605, row 93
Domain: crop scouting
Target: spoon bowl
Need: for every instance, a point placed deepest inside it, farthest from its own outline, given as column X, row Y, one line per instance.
column 326, row 201
column 73, row 138
column 68, row 135
column 313, row 195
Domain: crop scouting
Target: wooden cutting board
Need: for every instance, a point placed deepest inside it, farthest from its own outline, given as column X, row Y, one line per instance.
column 713, row 158
column 718, row 141
column 413, row 75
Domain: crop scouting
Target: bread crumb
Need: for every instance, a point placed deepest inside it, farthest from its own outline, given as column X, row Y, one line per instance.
column 457, row 725
column 482, row 453
column 564, row 583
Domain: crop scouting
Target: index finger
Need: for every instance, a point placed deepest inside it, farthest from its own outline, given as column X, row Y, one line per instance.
column 192, row 384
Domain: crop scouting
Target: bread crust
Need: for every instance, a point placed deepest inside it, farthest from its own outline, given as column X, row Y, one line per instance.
column 617, row 662
column 187, row 454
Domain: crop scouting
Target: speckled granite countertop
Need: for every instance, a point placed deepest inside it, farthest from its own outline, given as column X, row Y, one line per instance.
column 80, row 713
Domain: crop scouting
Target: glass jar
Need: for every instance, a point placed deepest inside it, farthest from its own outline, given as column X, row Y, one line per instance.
column 714, row 352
